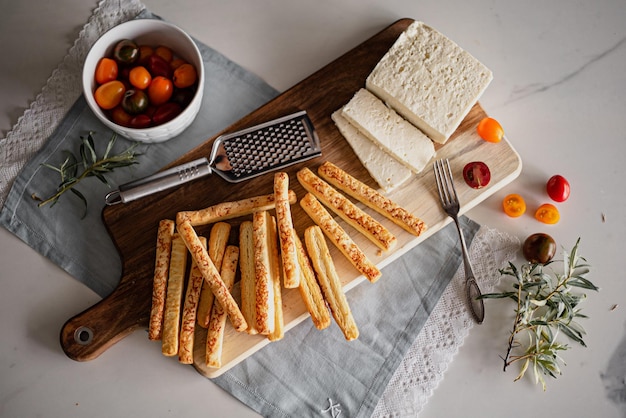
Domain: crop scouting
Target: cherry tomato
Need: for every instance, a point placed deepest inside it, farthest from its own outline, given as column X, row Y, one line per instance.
column 106, row 70
column 139, row 77
column 177, row 62
column 514, row 205
column 160, row 90
column 144, row 52
column 490, row 130
column 164, row 52
column 159, row 67
column 126, row 52
column 476, row 174
column 140, row 121
column 539, row 248
column 183, row 96
column 166, row 112
column 548, row 214
column 184, row 76
column 109, row 94
column 119, row 116
column 135, row 101
column 558, row 188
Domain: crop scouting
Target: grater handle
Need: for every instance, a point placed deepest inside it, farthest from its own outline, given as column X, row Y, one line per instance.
column 163, row 180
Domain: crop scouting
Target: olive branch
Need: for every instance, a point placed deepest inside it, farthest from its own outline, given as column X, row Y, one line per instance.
column 92, row 166
column 546, row 307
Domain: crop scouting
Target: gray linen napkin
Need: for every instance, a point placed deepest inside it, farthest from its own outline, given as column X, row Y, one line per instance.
column 318, row 373
column 83, row 247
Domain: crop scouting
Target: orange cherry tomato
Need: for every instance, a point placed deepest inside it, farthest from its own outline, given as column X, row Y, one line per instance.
column 160, row 90
column 106, row 70
column 164, row 52
column 109, row 94
column 548, row 214
column 144, row 52
column 490, row 130
column 139, row 77
column 514, row 205
column 177, row 62
column 185, row 76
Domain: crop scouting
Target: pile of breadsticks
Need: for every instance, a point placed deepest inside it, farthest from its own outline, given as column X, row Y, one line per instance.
column 270, row 255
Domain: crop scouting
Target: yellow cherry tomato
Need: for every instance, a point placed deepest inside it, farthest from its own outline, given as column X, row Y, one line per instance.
column 548, row 214
column 514, row 205
column 109, row 94
column 490, row 130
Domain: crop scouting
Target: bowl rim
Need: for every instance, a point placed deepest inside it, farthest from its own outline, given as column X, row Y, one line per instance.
column 88, row 91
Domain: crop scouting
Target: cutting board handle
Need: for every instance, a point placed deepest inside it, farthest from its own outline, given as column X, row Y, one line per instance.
column 90, row 333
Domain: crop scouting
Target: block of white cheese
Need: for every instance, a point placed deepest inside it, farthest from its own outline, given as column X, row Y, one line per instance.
column 386, row 170
column 430, row 80
column 388, row 130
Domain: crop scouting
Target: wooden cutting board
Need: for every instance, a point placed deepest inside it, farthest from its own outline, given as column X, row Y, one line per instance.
column 133, row 226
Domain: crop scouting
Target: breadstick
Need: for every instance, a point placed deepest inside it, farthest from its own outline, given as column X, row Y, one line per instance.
column 310, row 289
column 190, row 309
column 291, row 275
column 272, row 243
column 211, row 275
column 372, row 198
column 339, row 237
column 218, row 239
column 161, row 271
column 329, row 281
column 229, row 210
column 262, row 268
column 215, row 332
column 347, row 210
column 248, row 277
column 173, row 301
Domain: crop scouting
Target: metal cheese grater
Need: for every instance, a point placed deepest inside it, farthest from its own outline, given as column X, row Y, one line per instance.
column 236, row 157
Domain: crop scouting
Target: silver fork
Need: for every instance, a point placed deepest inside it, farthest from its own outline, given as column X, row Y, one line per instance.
column 450, row 204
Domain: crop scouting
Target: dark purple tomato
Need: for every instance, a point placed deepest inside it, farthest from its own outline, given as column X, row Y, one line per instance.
column 140, row 122
column 126, row 52
column 135, row 101
column 476, row 174
column 539, row 248
column 183, row 96
column 166, row 112
column 159, row 67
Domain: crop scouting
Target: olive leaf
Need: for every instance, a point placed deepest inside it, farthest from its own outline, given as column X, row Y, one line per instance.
column 546, row 307
column 91, row 166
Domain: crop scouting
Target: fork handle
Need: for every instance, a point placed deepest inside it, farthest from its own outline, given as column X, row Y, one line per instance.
column 476, row 305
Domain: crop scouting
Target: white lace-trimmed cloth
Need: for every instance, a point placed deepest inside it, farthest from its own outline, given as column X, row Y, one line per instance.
column 424, row 364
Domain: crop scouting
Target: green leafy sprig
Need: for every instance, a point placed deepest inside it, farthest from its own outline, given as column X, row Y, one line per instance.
column 547, row 306
column 91, row 165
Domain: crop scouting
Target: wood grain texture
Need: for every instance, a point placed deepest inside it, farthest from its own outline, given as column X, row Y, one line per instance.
column 133, row 226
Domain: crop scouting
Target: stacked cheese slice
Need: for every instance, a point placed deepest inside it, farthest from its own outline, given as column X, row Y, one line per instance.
column 419, row 92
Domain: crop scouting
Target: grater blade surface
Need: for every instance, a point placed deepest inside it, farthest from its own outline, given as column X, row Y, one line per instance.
column 266, row 147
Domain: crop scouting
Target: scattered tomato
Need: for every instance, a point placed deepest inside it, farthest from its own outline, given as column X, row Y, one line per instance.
column 166, row 112
column 547, row 213
column 126, row 52
column 160, row 90
column 514, row 205
column 539, row 248
column 139, row 77
column 185, row 76
column 135, row 101
column 558, row 188
column 106, row 70
column 476, row 174
column 109, row 94
column 490, row 130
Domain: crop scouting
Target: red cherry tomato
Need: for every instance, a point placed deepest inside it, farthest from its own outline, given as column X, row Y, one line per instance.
column 140, row 122
column 476, row 174
column 558, row 188
column 548, row 214
column 119, row 116
column 166, row 112
column 159, row 67
column 106, row 70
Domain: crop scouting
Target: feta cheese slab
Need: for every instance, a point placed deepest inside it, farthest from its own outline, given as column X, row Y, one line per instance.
column 430, row 80
column 386, row 170
column 389, row 130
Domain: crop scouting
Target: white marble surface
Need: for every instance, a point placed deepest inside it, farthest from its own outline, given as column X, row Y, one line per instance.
column 559, row 90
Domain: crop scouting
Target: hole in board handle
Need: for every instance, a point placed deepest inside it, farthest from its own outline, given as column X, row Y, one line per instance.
column 83, row 335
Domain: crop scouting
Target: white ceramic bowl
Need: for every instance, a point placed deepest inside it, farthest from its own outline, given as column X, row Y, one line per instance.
column 150, row 32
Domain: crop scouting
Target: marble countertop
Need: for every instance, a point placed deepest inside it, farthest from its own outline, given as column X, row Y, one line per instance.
column 559, row 91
